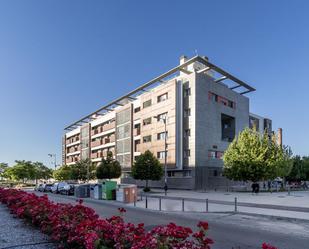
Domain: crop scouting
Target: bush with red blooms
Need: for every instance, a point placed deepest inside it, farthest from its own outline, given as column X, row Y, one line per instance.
column 267, row 246
column 78, row 227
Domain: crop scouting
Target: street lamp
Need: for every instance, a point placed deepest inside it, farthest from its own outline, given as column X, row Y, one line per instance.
column 55, row 160
column 164, row 119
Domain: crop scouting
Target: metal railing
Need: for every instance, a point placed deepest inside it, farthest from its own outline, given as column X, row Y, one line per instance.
column 206, row 207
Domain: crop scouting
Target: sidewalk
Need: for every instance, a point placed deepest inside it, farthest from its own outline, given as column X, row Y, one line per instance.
column 281, row 204
column 14, row 233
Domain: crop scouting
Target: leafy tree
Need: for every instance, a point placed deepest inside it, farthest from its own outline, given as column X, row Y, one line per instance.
column 109, row 168
column 41, row 171
column 300, row 169
column 255, row 157
column 147, row 167
column 22, row 171
column 27, row 170
column 3, row 167
column 63, row 173
column 83, row 170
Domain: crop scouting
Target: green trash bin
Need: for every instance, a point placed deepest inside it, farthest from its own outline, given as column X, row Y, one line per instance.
column 107, row 190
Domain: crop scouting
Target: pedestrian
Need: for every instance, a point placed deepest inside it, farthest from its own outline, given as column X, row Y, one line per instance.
column 269, row 187
column 253, row 187
column 257, row 188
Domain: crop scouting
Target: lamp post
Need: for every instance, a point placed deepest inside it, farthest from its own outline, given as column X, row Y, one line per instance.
column 164, row 119
column 55, row 160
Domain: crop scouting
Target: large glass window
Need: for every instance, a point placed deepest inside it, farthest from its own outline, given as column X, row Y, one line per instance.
column 227, row 127
column 161, row 135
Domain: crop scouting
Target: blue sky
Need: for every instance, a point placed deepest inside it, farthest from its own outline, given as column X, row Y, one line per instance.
column 60, row 60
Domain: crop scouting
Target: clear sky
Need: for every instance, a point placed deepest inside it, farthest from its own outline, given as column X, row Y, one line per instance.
column 61, row 60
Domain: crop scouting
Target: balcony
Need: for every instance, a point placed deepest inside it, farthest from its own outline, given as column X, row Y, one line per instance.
column 112, row 138
column 137, row 132
column 72, row 140
column 137, row 148
column 109, row 126
column 96, row 143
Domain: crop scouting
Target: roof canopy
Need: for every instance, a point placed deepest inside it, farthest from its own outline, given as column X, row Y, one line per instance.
column 223, row 76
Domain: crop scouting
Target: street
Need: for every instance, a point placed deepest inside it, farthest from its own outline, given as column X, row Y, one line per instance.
column 228, row 230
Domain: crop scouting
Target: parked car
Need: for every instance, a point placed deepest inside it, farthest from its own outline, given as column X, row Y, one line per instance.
column 47, row 187
column 39, row 187
column 54, row 188
column 65, row 188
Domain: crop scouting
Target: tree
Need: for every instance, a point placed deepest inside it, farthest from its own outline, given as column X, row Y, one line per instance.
column 27, row 170
column 255, row 157
column 300, row 169
column 109, row 168
column 3, row 167
column 83, row 170
column 22, row 171
column 41, row 171
column 64, row 173
column 147, row 167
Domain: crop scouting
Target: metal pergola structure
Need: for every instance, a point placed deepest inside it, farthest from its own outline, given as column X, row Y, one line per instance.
column 159, row 80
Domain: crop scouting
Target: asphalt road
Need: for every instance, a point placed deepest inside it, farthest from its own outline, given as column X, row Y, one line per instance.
column 227, row 230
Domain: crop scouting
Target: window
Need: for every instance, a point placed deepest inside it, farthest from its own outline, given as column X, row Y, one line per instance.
column 187, row 112
column 162, row 116
column 231, row 104
column 227, row 128
column 147, row 139
column 215, row 172
column 170, row 173
column 137, row 109
column 161, row 155
column 213, row 97
column 162, row 97
column 224, row 101
column 161, row 135
column 187, row 92
column 187, row 133
column 147, row 103
column 187, row 153
column 254, row 123
column 147, row 121
column 186, row 173
column 212, row 154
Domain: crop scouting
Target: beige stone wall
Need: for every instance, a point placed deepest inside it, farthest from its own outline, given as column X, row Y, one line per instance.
column 167, row 106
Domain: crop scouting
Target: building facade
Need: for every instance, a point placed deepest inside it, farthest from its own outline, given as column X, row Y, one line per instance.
column 194, row 111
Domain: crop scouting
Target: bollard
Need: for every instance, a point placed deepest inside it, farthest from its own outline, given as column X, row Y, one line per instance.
column 183, row 205
column 235, row 204
column 289, row 190
column 206, row 205
column 146, row 202
column 160, row 207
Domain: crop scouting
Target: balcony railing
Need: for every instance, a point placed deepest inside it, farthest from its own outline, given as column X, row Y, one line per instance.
column 96, row 143
column 137, row 131
column 137, row 148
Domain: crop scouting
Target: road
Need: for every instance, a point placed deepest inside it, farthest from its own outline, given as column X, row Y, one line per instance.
column 228, row 230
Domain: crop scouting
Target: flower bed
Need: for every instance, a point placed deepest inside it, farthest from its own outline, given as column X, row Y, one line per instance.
column 79, row 227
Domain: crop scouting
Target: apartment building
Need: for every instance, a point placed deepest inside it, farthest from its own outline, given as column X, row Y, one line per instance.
column 198, row 107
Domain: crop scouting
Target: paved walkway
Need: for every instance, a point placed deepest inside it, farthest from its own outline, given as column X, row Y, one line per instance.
column 281, row 204
column 15, row 233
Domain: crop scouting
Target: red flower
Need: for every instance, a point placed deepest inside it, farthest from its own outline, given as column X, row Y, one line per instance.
column 268, row 246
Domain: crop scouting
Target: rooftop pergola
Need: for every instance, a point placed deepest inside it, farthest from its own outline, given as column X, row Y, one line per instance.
column 223, row 76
